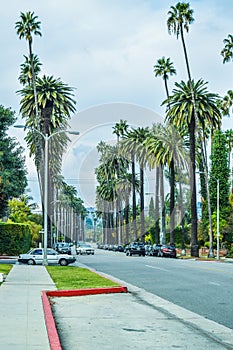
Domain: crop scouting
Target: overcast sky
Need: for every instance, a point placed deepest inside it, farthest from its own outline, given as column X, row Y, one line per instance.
column 106, row 50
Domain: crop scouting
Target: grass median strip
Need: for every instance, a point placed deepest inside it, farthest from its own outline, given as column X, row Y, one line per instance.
column 72, row 277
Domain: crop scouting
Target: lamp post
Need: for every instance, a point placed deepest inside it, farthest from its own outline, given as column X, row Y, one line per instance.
column 46, row 138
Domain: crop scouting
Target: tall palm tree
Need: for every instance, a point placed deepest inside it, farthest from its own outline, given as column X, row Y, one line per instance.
column 181, row 113
column 119, row 129
column 163, row 68
column 227, row 51
column 56, row 104
column 180, row 17
column 26, row 28
column 25, row 77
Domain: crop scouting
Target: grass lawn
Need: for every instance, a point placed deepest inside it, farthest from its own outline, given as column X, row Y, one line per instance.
column 72, row 277
column 5, row 268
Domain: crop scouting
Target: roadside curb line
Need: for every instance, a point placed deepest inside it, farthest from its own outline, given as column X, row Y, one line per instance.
column 54, row 340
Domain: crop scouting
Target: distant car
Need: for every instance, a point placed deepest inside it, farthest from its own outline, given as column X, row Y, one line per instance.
column 149, row 249
column 63, row 248
column 165, row 250
column 85, row 249
column 156, row 248
column 135, row 249
column 118, row 248
column 35, row 257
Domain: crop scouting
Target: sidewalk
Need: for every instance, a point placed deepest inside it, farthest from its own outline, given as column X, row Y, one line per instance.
column 22, row 325
column 134, row 320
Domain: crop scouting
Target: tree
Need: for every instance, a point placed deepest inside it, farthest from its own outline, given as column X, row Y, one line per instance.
column 181, row 114
column 180, row 17
column 227, row 51
column 21, row 211
column 220, row 172
column 25, row 29
column 26, row 74
column 55, row 103
column 163, row 68
column 13, row 181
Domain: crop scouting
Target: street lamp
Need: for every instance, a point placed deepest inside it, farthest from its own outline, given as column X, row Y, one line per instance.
column 46, row 138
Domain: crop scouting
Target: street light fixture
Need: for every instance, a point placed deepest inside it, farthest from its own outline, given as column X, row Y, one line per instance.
column 46, row 138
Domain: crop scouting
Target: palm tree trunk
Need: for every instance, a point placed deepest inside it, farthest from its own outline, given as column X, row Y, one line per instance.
column 134, row 199
column 157, row 206
column 142, row 218
column 172, row 202
column 194, row 240
column 163, row 218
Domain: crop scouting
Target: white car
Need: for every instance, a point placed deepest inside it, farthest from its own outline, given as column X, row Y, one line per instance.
column 35, row 256
column 85, row 249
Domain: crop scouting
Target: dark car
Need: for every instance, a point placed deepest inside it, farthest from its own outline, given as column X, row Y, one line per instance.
column 166, row 251
column 135, row 249
column 63, row 248
column 156, row 249
column 118, row 248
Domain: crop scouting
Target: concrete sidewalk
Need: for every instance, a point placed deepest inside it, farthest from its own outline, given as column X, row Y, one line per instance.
column 22, row 325
column 136, row 320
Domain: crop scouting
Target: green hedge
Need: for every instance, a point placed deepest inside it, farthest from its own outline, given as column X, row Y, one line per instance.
column 14, row 238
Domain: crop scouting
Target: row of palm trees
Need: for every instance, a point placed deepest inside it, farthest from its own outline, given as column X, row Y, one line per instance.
column 192, row 114
column 46, row 106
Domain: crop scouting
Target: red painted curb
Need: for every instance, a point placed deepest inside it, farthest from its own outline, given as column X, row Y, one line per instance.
column 87, row 291
column 54, row 340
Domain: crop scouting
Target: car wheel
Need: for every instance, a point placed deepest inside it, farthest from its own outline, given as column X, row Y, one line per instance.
column 63, row 262
column 127, row 253
column 160, row 253
column 31, row 262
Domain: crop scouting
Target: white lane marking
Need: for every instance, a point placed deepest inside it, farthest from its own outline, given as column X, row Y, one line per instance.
column 157, row 268
column 215, row 283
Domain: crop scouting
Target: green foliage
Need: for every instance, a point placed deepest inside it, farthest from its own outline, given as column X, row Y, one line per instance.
column 219, row 170
column 20, row 211
column 14, row 238
column 12, row 164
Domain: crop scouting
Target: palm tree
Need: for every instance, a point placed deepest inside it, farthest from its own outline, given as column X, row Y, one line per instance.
column 56, row 104
column 163, row 68
column 25, row 29
column 180, row 17
column 167, row 148
column 180, row 114
column 227, row 51
column 25, row 77
column 119, row 129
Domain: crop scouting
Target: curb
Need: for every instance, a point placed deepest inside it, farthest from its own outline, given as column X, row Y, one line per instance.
column 54, row 340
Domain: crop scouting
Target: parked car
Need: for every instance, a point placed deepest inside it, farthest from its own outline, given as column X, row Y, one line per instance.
column 85, row 249
column 63, row 247
column 165, row 250
column 35, row 256
column 149, row 249
column 118, row 248
column 135, row 249
column 156, row 248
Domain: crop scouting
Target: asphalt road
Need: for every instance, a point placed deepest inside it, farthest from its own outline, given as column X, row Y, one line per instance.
column 202, row 287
